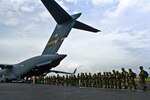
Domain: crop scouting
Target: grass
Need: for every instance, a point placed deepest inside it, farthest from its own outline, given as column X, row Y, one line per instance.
column 147, row 79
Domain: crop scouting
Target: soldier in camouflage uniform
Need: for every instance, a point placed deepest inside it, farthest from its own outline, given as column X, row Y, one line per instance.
column 54, row 80
column 114, row 79
column 124, row 77
column 82, row 79
column 142, row 78
column 94, row 78
column 63, row 80
column 118, row 77
column 74, row 80
column 86, row 80
column 89, row 80
column 78, row 79
column 99, row 80
column 105, row 79
column 58, row 80
column 131, row 77
column 111, row 85
column 67, row 80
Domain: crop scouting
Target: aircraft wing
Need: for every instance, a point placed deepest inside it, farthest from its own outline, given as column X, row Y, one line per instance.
column 64, row 72
column 5, row 66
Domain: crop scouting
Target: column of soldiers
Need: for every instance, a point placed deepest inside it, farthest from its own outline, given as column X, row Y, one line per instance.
column 114, row 79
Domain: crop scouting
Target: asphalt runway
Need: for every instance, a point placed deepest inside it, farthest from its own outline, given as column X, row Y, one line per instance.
column 20, row 91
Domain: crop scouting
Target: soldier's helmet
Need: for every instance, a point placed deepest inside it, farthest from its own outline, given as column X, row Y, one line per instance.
column 113, row 71
column 141, row 67
column 130, row 70
column 122, row 69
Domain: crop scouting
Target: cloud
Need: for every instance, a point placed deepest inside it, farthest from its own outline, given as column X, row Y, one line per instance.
column 44, row 15
column 72, row 1
column 63, row 5
column 27, row 8
column 11, row 22
column 101, row 2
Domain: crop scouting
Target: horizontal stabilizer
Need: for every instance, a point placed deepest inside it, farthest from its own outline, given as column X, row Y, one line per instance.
column 82, row 26
column 58, row 13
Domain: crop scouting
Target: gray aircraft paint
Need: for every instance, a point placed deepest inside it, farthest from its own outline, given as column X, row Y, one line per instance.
column 49, row 58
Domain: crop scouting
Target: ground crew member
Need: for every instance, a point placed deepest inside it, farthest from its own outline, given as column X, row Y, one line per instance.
column 142, row 76
column 33, row 79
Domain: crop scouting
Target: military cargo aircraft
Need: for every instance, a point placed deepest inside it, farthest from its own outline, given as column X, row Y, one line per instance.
column 49, row 59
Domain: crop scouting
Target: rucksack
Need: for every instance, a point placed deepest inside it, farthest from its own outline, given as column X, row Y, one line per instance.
column 134, row 75
column 145, row 74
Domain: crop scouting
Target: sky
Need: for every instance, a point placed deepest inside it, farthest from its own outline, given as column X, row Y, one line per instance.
column 26, row 26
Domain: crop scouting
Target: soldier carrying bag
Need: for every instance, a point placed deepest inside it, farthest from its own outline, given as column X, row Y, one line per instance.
column 145, row 74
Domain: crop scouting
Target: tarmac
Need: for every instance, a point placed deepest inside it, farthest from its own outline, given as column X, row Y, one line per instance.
column 23, row 91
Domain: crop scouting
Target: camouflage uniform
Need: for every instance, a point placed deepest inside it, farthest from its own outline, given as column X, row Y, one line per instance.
column 118, row 77
column 124, row 75
column 94, row 78
column 58, row 80
column 54, row 81
column 99, row 80
column 131, row 80
column 78, row 79
column 142, row 78
column 63, row 80
column 89, row 80
column 111, row 80
column 86, row 80
column 74, row 80
column 114, row 79
column 67, row 80
column 82, row 79
column 105, row 80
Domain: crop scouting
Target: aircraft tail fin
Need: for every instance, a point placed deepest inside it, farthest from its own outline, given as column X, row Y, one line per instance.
column 82, row 26
column 65, row 23
column 58, row 13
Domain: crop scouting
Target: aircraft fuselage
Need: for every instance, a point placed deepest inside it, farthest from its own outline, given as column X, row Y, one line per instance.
column 28, row 66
